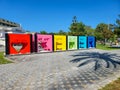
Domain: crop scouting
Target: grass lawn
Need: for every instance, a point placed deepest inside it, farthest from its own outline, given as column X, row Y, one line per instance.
column 105, row 47
column 115, row 85
column 3, row 60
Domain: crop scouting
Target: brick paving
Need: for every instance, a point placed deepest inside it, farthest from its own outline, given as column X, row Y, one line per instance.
column 70, row 70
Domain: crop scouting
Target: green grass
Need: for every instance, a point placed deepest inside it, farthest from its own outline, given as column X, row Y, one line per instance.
column 115, row 85
column 105, row 47
column 3, row 60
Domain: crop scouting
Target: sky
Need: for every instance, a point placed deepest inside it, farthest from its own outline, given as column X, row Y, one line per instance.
column 55, row 15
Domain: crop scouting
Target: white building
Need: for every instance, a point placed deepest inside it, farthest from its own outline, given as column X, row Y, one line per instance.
column 4, row 30
column 8, row 27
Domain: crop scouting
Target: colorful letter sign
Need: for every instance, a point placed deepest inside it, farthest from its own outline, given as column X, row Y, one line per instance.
column 18, row 43
column 28, row 43
column 72, row 42
column 91, row 42
column 82, row 42
column 59, row 42
column 44, row 43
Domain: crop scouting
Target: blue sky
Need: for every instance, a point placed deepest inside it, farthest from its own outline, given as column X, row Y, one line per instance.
column 55, row 15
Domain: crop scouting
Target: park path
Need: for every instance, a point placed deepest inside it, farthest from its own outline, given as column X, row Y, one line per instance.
column 71, row 70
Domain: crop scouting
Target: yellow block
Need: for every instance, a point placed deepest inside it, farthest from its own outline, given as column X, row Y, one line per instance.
column 59, row 42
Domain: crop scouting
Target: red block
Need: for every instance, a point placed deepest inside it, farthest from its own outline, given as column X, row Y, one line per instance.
column 18, row 43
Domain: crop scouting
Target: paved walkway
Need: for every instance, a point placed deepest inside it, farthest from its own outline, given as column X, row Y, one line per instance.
column 2, row 48
column 71, row 70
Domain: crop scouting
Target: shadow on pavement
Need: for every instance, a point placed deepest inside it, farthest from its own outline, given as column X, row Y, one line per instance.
column 107, row 59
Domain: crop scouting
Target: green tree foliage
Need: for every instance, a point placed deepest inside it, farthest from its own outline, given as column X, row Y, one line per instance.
column 89, row 31
column 107, row 34
column 102, row 32
column 61, row 32
column 100, row 27
column 43, row 32
column 117, row 27
column 76, row 28
column 52, row 33
column 98, row 36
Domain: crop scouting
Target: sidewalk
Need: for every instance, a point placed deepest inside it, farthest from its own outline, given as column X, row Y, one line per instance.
column 71, row 70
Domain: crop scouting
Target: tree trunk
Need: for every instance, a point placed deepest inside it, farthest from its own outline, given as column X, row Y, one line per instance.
column 105, row 41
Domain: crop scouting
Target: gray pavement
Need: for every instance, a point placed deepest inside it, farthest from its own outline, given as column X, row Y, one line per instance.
column 70, row 70
column 2, row 48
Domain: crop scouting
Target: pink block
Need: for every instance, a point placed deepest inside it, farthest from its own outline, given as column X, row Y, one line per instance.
column 44, row 43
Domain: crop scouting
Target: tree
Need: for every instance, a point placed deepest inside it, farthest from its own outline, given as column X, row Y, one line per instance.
column 100, row 27
column 76, row 28
column 107, row 34
column 43, row 32
column 89, row 31
column 117, row 27
column 61, row 32
column 52, row 33
column 103, row 32
column 98, row 36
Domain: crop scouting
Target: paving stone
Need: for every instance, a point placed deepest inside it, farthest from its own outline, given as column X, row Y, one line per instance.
column 71, row 70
